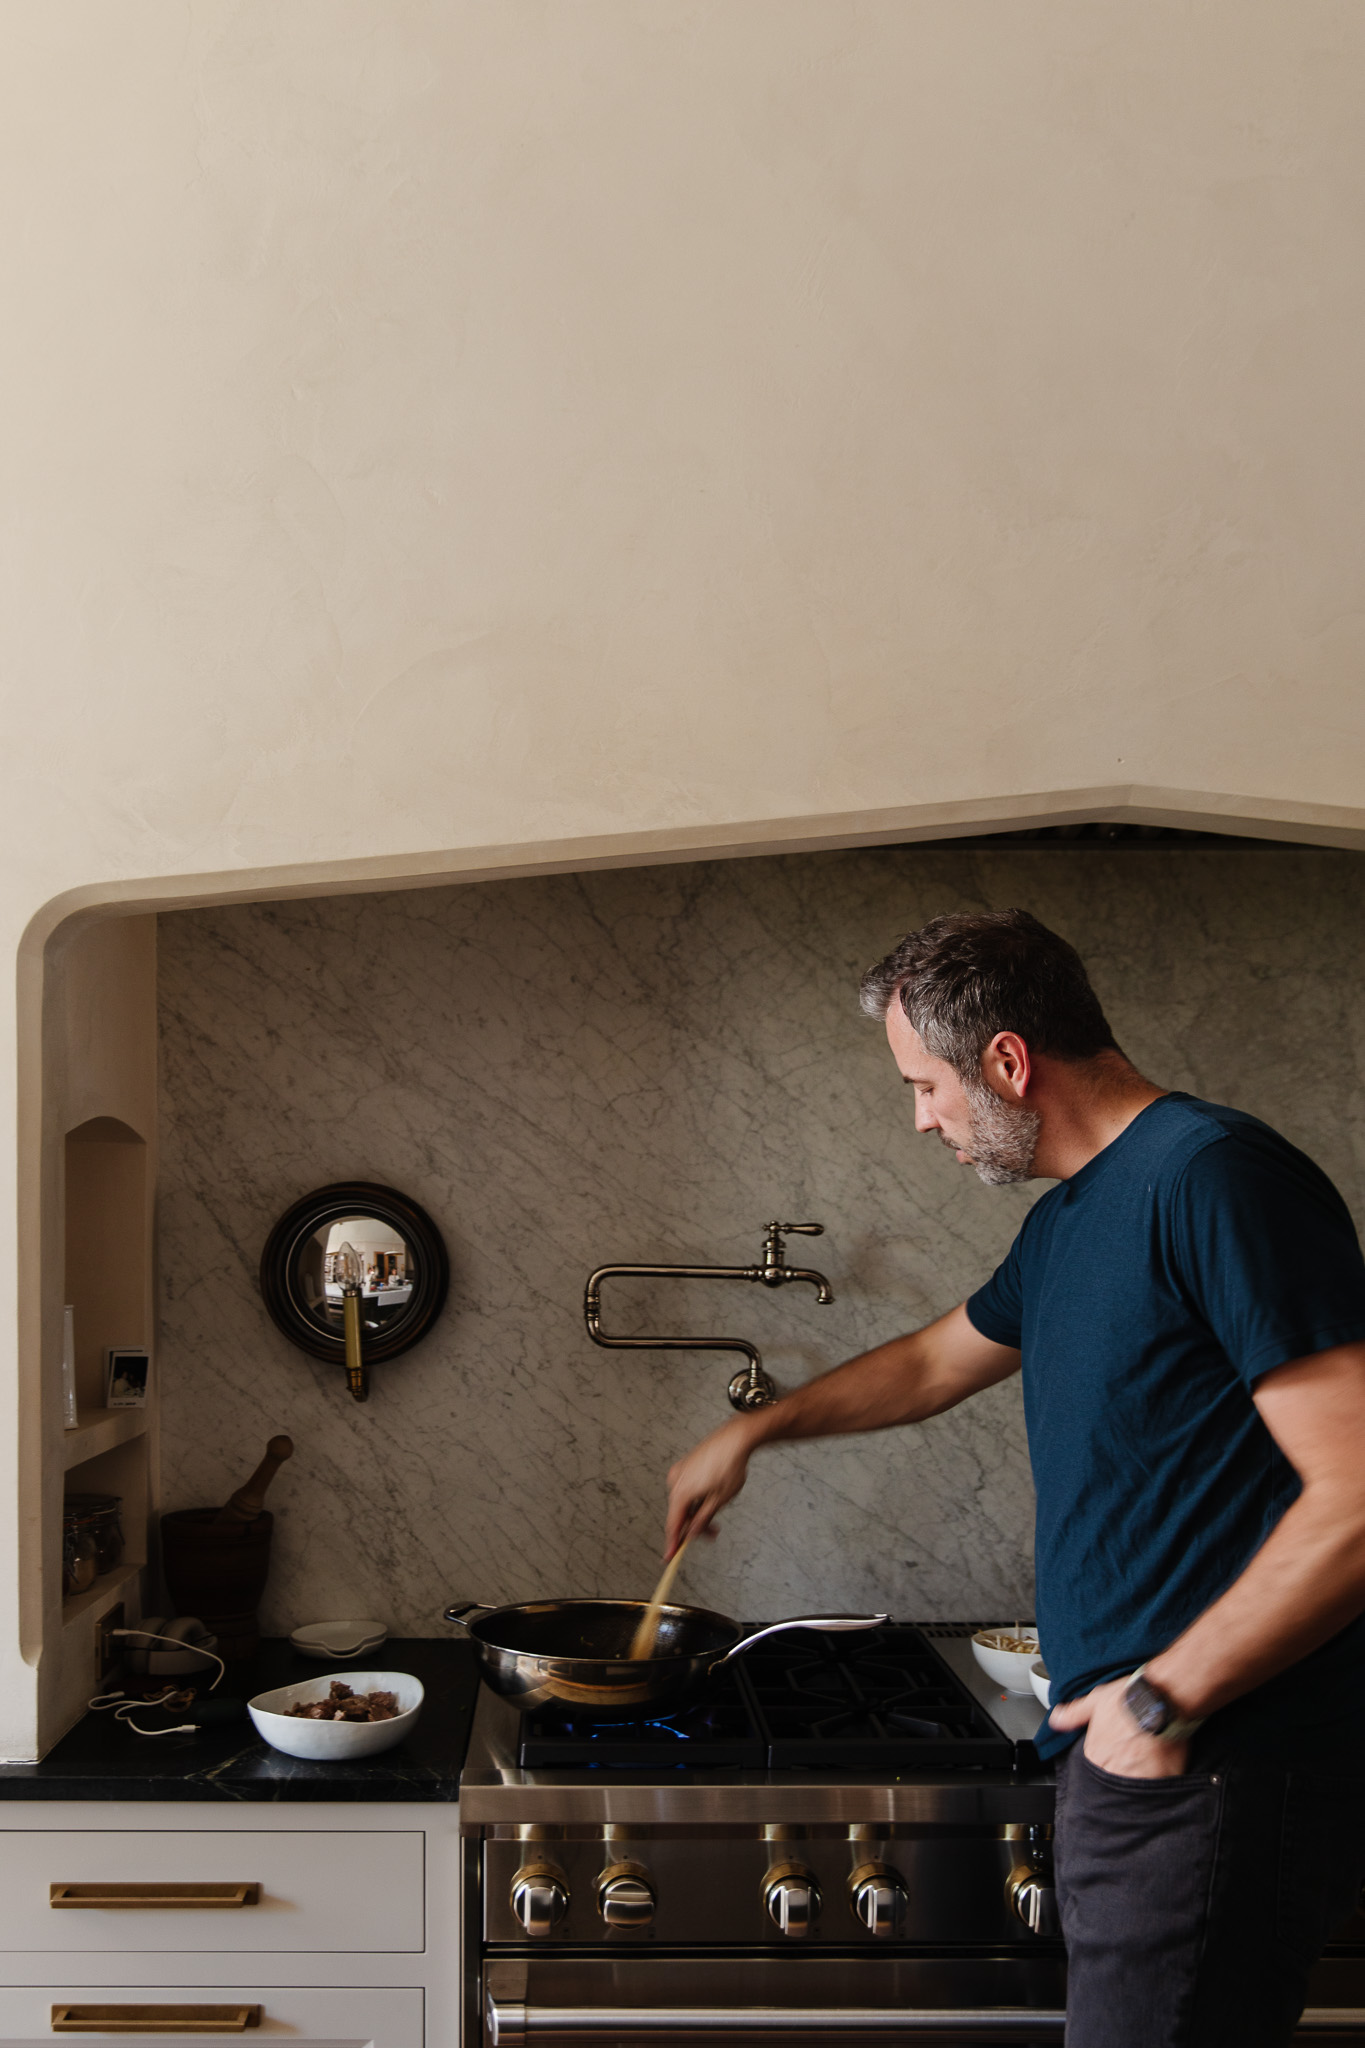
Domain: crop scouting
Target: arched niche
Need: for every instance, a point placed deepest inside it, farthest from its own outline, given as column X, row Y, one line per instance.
column 106, row 1246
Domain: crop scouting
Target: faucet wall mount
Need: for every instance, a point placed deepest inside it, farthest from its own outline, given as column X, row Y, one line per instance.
column 751, row 1386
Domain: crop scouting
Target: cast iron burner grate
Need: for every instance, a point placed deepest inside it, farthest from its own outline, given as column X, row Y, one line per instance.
column 880, row 1701
column 883, row 1700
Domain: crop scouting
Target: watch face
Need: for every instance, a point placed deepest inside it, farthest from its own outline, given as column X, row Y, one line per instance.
column 1148, row 1709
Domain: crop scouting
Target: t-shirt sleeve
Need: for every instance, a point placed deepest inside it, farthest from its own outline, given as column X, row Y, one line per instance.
column 997, row 1309
column 1267, row 1252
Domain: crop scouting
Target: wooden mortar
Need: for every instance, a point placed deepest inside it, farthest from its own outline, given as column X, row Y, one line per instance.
column 217, row 1559
column 217, row 1570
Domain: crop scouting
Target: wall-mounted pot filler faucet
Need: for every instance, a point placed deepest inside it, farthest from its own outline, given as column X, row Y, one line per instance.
column 751, row 1387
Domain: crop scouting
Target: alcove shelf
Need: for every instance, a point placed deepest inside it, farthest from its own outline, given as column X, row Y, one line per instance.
column 96, row 1600
column 100, row 1430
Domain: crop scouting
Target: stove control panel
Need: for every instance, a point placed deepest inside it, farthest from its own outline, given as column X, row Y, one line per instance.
column 879, row 1899
column 792, row 1898
column 586, row 1887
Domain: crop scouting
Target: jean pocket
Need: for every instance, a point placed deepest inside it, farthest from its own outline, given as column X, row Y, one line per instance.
column 1184, row 1781
column 1135, row 1858
column 1322, row 1857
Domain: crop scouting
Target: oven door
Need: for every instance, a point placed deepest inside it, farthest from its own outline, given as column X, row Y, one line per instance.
column 602, row 2002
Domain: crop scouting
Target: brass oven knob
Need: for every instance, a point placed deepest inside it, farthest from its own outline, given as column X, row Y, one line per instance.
column 540, row 1898
column 792, row 1898
column 625, row 1896
column 1032, row 1898
column 878, row 1898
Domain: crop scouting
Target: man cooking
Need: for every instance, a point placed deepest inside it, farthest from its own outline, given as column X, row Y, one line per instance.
column 1187, row 1306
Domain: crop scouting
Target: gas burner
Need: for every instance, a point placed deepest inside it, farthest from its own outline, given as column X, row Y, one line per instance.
column 717, row 1733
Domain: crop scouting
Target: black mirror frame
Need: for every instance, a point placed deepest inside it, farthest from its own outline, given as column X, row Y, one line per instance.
column 328, row 1205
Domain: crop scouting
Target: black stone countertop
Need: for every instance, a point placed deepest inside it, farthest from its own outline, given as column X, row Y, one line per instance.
column 101, row 1759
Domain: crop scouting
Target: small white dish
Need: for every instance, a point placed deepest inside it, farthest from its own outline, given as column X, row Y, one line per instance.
column 1040, row 1681
column 333, row 1639
column 336, row 1741
column 1009, row 1668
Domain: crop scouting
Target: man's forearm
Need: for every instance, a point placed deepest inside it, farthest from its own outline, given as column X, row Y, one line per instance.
column 906, row 1380
column 903, row 1381
column 1305, row 1583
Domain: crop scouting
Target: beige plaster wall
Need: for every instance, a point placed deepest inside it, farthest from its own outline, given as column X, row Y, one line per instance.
column 442, row 436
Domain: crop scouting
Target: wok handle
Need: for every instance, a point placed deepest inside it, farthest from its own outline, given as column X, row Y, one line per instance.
column 464, row 1607
column 829, row 1621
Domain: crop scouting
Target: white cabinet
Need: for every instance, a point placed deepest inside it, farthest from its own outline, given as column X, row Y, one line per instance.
column 320, row 2016
column 111, row 1889
column 351, row 1939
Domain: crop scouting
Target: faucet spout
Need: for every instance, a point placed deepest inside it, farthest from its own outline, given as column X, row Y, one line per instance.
column 824, row 1293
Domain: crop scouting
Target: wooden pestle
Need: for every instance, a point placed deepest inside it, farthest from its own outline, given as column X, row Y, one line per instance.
column 248, row 1501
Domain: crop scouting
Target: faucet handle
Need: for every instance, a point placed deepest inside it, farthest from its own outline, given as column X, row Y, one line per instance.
column 798, row 1229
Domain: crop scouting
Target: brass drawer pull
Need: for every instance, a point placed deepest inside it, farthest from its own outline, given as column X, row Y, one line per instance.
column 155, row 2019
column 149, row 1896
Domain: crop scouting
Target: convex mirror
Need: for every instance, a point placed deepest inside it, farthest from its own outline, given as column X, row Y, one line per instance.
column 355, row 1274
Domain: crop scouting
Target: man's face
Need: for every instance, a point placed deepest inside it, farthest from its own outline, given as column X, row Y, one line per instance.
column 940, row 1099
column 995, row 1136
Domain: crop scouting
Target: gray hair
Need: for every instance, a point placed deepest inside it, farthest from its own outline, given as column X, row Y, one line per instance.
column 962, row 979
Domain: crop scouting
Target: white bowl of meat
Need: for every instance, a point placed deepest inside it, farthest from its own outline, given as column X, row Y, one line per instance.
column 334, row 1718
column 1005, row 1655
column 1040, row 1681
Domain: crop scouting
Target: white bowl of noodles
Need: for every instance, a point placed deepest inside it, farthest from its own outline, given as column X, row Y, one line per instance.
column 1005, row 1655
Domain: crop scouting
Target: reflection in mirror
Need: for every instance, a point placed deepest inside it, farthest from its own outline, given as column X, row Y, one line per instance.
column 388, row 1275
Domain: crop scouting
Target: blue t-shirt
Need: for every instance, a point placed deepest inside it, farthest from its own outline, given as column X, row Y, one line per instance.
column 1148, row 1295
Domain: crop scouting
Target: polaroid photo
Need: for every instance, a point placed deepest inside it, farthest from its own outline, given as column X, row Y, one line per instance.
column 125, row 1377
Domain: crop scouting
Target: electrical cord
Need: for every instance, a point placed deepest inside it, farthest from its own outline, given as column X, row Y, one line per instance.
column 124, row 1708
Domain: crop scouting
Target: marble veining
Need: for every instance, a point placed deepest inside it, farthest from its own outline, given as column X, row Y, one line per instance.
column 650, row 1064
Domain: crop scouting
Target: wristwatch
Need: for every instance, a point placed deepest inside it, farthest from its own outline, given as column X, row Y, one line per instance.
column 1154, row 1713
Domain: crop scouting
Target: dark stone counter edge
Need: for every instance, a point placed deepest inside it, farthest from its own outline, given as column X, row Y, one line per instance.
column 102, row 1759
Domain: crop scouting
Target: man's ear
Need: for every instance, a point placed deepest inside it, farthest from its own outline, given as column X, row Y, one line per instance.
column 1006, row 1067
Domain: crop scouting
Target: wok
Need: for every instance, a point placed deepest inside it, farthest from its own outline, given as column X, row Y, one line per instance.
column 575, row 1653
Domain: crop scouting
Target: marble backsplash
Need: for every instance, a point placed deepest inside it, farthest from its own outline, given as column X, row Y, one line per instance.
column 651, row 1064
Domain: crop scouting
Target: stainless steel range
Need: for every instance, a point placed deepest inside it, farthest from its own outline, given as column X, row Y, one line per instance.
column 850, row 1836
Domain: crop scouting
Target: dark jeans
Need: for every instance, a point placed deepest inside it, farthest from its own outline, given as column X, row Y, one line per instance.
column 1194, row 1907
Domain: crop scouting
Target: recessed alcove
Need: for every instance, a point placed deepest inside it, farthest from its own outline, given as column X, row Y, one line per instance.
column 106, row 1248
column 107, row 1285
column 92, row 1250
column 647, row 1064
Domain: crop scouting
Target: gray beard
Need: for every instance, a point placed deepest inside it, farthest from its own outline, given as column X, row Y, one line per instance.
column 1004, row 1137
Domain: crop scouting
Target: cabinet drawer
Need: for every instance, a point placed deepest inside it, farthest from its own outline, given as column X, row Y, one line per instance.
column 120, row 1889
column 321, row 2017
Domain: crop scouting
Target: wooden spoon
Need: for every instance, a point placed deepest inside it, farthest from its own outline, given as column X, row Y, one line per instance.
column 647, row 1631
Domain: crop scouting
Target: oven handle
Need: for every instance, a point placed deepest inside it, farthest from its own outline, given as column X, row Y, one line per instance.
column 512, row 2022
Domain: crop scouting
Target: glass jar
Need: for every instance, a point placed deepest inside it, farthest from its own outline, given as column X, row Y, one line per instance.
column 80, row 1557
column 101, row 1515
